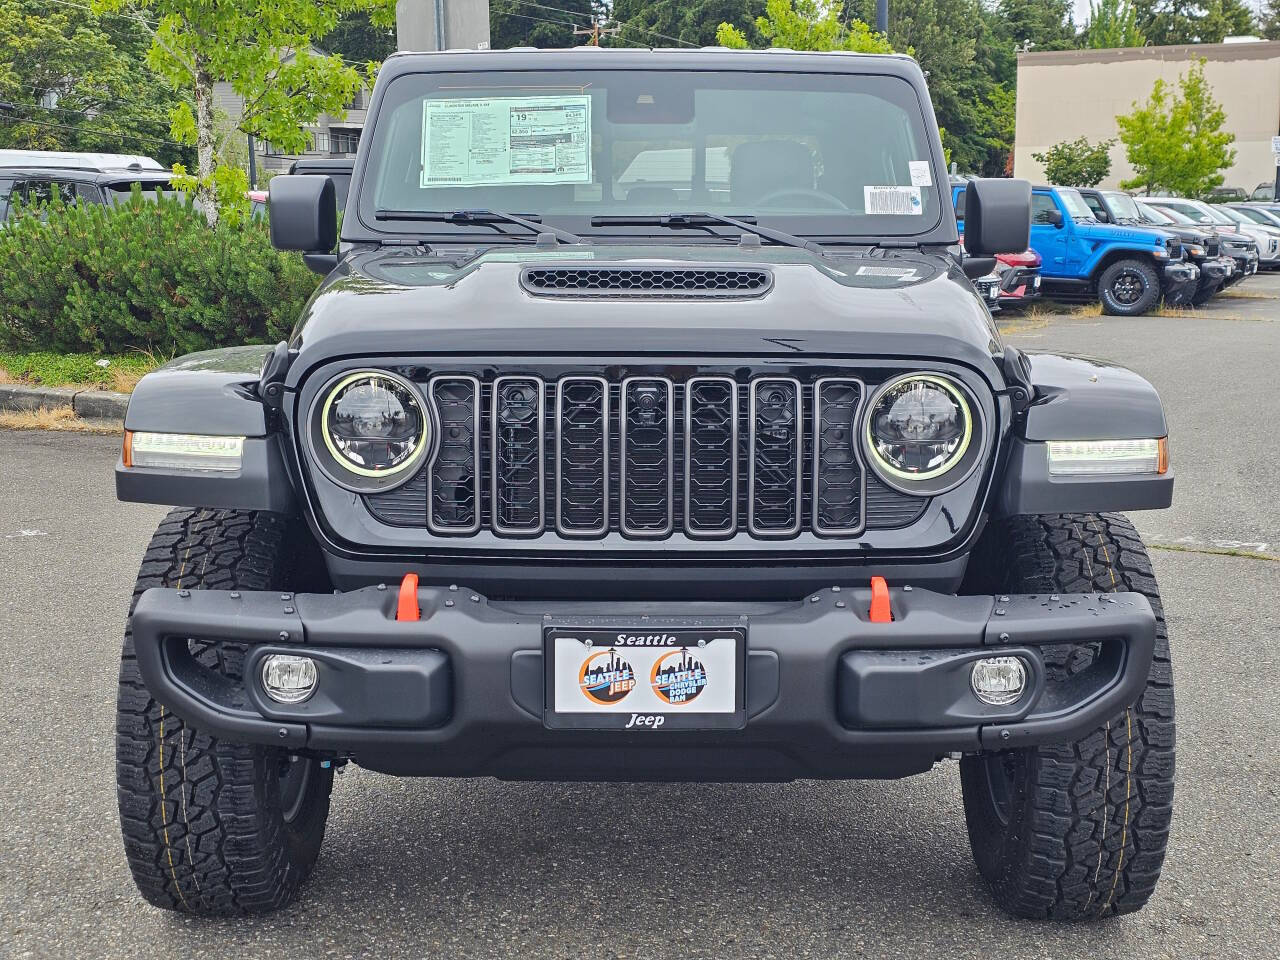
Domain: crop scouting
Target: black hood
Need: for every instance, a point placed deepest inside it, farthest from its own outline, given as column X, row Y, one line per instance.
column 406, row 302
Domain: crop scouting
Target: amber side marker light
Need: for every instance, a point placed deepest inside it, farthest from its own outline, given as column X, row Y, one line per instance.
column 126, row 452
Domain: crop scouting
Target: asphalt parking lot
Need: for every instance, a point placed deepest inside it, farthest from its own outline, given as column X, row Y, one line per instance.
column 423, row 868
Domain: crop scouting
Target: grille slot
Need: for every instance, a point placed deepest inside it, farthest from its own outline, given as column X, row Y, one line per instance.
column 838, row 478
column 453, row 480
column 711, row 456
column 646, row 281
column 518, row 439
column 582, row 455
column 777, row 448
column 647, row 434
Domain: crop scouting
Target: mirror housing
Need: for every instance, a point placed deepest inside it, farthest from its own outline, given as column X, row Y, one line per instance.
column 303, row 212
column 1055, row 219
column 997, row 217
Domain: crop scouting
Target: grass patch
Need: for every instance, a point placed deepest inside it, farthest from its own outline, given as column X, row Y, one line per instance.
column 1214, row 551
column 52, row 418
column 1237, row 294
column 48, row 369
column 1088, row 310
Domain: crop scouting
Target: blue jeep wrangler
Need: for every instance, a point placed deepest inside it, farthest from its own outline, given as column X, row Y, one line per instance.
column 1128, row 268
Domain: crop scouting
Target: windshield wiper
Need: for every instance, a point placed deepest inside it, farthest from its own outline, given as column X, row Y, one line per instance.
column 484, row 218
column 677, row 221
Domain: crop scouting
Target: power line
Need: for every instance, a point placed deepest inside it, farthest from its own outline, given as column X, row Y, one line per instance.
column 563, row 23
column 89, row 116
column 136, row 137
column 624, row 26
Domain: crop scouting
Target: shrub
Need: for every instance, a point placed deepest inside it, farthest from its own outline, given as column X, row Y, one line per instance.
column 145, row 275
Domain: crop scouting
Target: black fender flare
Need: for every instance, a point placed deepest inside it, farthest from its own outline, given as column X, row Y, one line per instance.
column 1075, row 398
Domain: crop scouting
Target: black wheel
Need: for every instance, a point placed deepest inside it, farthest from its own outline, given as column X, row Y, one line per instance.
column 1078, row 830
column 1129, row 288
column 212, row 827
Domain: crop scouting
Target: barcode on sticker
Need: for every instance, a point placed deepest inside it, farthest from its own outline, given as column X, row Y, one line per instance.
column 892, row 201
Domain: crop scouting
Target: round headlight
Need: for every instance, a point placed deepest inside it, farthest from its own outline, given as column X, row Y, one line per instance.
column 373, row 425
column 919, row 427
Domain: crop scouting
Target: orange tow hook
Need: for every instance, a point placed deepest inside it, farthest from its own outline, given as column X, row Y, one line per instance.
column 880, row 611
column 407, row 607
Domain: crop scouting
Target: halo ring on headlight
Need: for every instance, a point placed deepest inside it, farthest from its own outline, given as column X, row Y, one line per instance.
column 944, row 475
column 338, row 464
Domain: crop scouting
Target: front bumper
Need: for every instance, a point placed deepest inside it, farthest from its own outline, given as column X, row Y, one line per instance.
column 1019, row 285
column 1181, row 280
column 462, row 691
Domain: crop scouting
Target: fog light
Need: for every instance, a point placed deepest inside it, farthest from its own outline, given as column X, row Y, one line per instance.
column 288, row 679
column 999, row 681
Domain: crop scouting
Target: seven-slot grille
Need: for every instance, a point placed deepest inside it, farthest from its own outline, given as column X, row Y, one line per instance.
column 646, row 457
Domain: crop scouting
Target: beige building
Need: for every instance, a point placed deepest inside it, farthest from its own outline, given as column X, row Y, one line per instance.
column 1067, row 94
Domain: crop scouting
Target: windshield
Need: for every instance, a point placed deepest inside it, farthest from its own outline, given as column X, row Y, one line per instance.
column 1075, row 204
column 1123, row 206
column 1154, row 215
column 1216, row 215
column 813, row 154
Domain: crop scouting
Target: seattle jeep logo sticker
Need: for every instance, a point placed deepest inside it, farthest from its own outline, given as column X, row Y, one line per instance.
column 678, row 677
column 606, row 678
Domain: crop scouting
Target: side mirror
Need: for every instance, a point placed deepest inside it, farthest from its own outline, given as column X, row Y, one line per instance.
column 997, row 217
column 303, row 213
column 1055, row 218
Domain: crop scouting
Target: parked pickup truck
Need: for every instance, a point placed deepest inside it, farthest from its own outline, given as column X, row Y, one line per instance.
column 1201, row 246
column 1128, row 268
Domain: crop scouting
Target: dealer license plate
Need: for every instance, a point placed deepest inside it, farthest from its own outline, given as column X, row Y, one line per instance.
column 645, row 678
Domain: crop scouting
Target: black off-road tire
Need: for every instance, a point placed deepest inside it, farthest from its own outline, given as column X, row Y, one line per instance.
column 1123, row 276
column 1074, row 831
column 212, row 827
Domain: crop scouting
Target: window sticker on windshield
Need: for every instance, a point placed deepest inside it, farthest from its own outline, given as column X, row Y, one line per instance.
column 921, row 173
column 892, row 201
column 509, row 140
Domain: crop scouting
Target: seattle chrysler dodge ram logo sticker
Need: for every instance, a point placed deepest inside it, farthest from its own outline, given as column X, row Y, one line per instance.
column 678, row 676
column 606, row 678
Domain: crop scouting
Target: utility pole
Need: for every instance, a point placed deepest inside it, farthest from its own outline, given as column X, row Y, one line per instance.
column 595, row 33
column 882, row 16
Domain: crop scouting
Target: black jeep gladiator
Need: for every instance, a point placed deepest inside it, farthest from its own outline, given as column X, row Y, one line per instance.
column 646, row 426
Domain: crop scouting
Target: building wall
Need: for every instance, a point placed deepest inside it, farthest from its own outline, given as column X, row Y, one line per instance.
column 1067, row 94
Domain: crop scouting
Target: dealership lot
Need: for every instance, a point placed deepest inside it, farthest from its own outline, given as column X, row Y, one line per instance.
column 481, row 868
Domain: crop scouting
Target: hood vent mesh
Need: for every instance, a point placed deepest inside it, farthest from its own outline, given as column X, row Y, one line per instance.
column 645, row 281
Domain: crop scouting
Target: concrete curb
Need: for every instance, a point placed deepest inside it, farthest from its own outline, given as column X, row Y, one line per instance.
column 90, row 404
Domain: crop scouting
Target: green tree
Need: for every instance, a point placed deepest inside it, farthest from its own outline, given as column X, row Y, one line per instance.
column 78, row 81
column 1038, row 24
column 1076, row 163
column 679, row 22
column 806, row 25
column 1269, row 20
column 264, row 49
column 1175, row 140
column 357, row 38
column 1113, row 23
column 1165, row 22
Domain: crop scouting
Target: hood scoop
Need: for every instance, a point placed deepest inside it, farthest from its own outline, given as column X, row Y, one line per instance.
column 647, row 282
